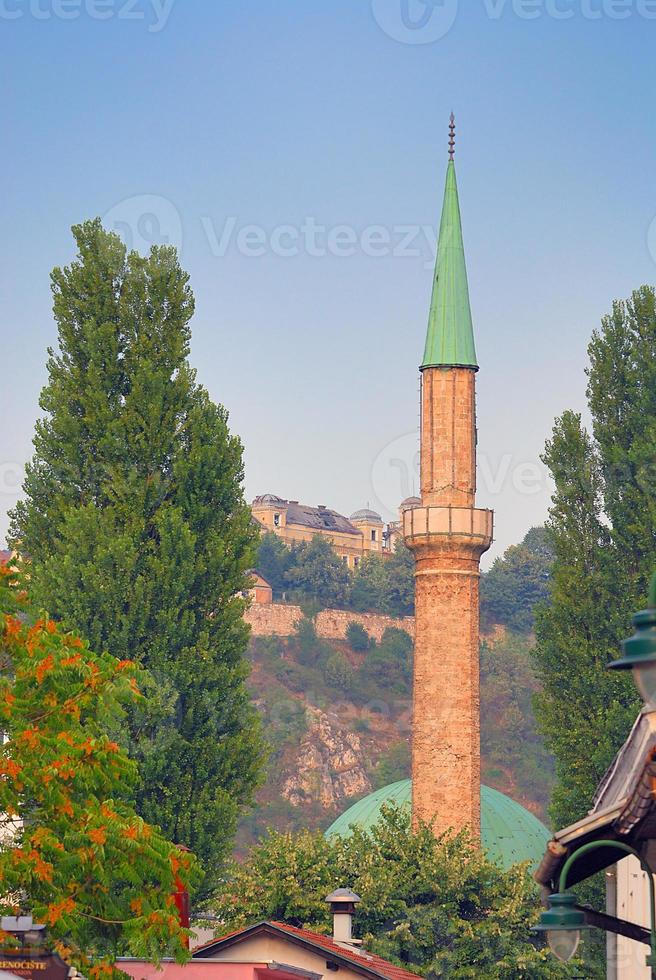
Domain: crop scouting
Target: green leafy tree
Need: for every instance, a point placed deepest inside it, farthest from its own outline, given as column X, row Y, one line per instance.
column 369, row 586
column 73, row 851
column 401, row 581
column 274, row 559
column 385, row 585
column 602, row 526
column 338, row 672
column 517, row 583
column 308, row 646
column 436, row 907
column 357, row 637
column 138, row 534
column 318, row 572
column 389, row 663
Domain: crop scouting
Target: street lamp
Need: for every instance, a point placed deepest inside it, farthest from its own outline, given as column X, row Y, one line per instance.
column 562, row 921
column 639, row 651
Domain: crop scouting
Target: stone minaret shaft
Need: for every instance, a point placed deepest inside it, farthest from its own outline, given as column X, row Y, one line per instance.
column 447, row 535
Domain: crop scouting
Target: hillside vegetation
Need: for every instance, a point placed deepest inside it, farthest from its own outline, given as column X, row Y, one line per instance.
column 337, row 714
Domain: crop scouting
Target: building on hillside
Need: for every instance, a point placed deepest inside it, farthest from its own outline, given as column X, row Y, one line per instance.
column 277, row 951
column 448, row 534
column 394, row 531
column 353, row 538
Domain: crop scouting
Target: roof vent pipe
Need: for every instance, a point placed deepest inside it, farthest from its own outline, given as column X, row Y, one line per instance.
column 342, row 904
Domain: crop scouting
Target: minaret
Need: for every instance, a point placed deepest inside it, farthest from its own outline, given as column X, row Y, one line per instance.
column 447, row 535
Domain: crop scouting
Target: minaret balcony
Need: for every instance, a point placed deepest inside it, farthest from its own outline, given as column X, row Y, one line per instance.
column 461, row 523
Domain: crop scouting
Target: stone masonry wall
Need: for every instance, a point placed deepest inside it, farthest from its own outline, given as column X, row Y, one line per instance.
column 278, row 619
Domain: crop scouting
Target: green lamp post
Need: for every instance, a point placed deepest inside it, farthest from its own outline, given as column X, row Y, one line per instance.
column 639, row 651
column 562, row 921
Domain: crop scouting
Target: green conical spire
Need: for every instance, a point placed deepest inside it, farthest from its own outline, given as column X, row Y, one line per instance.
column 450, row 336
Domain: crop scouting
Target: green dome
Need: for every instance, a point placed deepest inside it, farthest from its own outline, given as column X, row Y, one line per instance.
column 510, row 833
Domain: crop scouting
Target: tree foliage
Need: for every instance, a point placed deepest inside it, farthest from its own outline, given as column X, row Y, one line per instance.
column 316, row 570
column 313, row 572
column 517, row 583
column 602, row 526
column 138, row 533
column 274, row 559
column 385, row 585
column 357, row 637
column 435, row 906
column 72, row 850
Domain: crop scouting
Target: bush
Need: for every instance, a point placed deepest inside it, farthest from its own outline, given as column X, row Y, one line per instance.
column 338, row 672
column 357, row 637
column 389, row 665
column 306, row 642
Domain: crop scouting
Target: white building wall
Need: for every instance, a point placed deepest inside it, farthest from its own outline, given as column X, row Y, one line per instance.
column 626, row 958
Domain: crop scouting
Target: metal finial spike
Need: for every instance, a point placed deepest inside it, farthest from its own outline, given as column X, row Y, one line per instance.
column 452, row 136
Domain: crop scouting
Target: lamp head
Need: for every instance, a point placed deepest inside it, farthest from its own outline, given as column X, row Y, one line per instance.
column 562, row 922
column 639, row 651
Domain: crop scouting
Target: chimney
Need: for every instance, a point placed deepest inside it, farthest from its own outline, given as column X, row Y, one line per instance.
column 342, row 904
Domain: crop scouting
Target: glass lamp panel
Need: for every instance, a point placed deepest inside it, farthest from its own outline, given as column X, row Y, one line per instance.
column 644, row 677
column 563, row 943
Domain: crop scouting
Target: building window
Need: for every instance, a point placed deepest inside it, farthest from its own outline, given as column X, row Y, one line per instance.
column 373, row 535
column 356, row 562
column 345, row 559
column 276, row 520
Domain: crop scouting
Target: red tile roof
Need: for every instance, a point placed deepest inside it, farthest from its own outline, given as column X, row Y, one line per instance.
column 360, row 960
column 361, row 957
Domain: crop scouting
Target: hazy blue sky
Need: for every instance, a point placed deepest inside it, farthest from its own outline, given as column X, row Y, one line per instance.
column 195, row 119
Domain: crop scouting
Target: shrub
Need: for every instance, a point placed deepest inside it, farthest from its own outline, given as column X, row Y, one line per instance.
column 357, row 637
column 338, row 671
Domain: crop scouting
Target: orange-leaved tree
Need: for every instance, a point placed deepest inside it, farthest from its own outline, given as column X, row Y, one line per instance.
column 72, row 851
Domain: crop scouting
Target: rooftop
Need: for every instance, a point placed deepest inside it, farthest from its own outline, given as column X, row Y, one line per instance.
column 357, row 959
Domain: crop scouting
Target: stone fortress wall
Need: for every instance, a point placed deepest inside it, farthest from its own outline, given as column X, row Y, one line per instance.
column 280, row 619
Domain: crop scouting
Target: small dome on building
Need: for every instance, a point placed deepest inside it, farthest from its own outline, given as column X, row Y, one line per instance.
column 366, row 515
column 269, row 498
column 409, row 503
column 509, row 832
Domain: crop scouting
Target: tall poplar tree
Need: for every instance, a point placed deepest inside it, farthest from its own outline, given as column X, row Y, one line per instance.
column 138, row 533
column 602, row 526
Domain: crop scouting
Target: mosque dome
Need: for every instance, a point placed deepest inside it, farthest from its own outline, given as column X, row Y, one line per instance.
column 409, row 503
column 366, row 515
column 509, row 832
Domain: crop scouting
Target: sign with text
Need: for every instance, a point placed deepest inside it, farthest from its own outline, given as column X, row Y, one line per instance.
column 38, row 967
